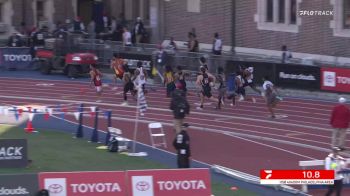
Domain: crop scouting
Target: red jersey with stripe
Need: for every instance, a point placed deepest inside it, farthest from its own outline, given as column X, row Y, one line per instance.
column 97, row 78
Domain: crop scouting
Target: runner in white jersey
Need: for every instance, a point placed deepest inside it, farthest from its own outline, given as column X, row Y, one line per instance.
column 270, row 95
column 140, row 76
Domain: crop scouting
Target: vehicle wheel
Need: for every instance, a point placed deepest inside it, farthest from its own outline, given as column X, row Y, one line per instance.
column 45, row 67
column 73, row 71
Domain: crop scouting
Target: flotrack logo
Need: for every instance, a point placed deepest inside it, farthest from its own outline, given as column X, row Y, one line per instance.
column 10, row 153
column 17, row 57
column 18, row 191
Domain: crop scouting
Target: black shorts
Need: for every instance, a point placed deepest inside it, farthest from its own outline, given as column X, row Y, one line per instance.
column 128, row 87
column 206, row 92
column 240, row 91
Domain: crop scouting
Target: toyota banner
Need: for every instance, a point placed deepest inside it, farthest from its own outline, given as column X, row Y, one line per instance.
column 84, row 183
column 335, row 79
column 173, row 182
column 15, row 58
column 184, row 182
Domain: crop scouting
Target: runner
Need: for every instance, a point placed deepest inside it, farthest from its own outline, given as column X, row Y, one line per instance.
column 169, row 80
column 96, row 76
column 248, row 79
column 117, row 66
column 128, row 84
column 204, row 80
column 140, row 77
column 270, row 95
column 180, row 77
column 241, row 87
column 222, row 86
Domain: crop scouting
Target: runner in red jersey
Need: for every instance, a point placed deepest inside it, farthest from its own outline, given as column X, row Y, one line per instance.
column 96, row 76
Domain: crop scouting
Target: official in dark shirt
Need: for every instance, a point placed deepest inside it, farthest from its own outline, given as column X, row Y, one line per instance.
column 182, row 145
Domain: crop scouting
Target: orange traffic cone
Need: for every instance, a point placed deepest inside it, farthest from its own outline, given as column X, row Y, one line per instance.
column 29, row 128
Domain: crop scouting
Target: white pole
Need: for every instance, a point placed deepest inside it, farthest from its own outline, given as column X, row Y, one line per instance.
column 136, row 119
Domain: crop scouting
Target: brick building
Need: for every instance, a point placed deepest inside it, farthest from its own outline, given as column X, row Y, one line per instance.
column 39, row 12
column 205, row 17
column 263, row 26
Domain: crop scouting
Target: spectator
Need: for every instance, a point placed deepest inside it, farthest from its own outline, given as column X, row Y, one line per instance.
column 78, row 25
column 180, row 107
column 193, row 45
column 182, row 145
column 39, row 37
column 286, row 54
column 337, row 163
column 138, row 30
column 340, row 122
column 172, row 45
column 126, row 37
column 113, row 24
column 15, row 41
column 217, row 45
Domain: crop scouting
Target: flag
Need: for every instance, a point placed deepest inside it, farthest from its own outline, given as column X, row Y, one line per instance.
column 142, row 102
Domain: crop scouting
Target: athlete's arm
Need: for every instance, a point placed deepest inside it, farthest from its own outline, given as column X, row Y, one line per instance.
column 199, row 79
column 92, row 76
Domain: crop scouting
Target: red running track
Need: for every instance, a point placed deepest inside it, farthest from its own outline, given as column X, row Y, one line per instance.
column 241, row 137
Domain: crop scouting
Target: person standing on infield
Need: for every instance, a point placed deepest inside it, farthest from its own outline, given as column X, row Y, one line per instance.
column 182, row 145
column 340, row 119
column 180, row 106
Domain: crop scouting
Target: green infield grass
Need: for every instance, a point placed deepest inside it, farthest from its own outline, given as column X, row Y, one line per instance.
column 54, row 151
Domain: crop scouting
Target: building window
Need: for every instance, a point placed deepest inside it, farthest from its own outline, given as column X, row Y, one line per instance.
column 281, row 10
column 341, row 18
column 278, row 15
column 40, row 10
column 194, row 6
column 1, row 12
column 293, row 11
column 269, row 11
column 346, row 14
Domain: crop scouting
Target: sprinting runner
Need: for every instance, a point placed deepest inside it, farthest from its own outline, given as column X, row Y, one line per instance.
column 241, row 88
column 96, row 76
column 128, row 84
column 232, row 88
column 169, row 80
column 140, row 77
column 270, row 95
column 247, row 74
column 203, row 81
column 222, row 86
column 117, row 66
column 180, row 77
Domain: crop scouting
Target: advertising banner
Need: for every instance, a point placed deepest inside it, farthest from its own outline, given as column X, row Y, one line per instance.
column 84, row 183
column 335, row 79
column 298, row 76
column 15, row 58
column 184, row 182
column 134, row 58
column 22, row 184
column 13, row 153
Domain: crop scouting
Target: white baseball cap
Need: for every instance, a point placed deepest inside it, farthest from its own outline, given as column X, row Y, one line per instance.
column 342, row 100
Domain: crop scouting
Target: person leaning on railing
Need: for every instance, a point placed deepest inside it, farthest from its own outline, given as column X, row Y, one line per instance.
column 15, row 40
